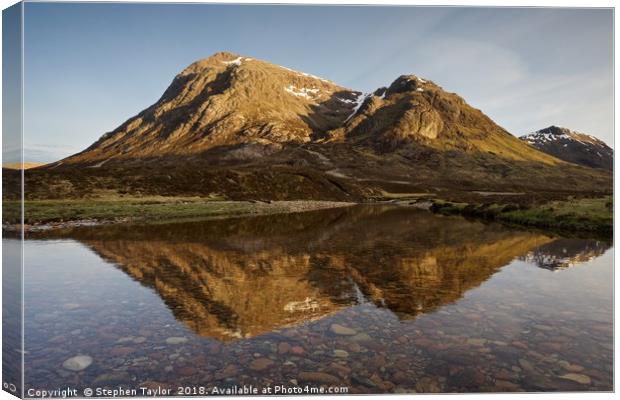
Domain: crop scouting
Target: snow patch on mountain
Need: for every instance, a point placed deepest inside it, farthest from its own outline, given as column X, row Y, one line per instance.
column 358, row 103
column 236, row 61
column 305, row 74
column 555, row 133
column 571, row 146
column 306, row 93
column 346, row 101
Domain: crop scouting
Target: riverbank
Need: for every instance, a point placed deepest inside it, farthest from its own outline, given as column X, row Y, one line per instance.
column 49, row 214
column 573, row 217
column 590, row 216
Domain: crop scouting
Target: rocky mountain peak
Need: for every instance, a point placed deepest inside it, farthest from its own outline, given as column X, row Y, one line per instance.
column 555, row 130
column 575, row 147
column 229, row 100
column 408, row 83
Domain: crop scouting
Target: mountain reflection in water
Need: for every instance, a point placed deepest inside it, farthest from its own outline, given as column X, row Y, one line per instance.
column 237, row 278
column 565, row 253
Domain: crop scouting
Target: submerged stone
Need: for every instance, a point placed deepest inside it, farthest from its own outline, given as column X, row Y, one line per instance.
column 112, row 378
column 260, row 364
column 361, row 337
column 283, row 348
column 341, row 353
column 342, row 330
column 318, row 377
column 176, row 340
column 297, row 350
column 579, row 378
column 77, row 363
column 362, row 380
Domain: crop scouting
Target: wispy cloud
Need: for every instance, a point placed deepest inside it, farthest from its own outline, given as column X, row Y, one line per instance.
column 36, row 152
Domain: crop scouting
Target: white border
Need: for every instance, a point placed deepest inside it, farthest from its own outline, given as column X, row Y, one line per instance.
column 479, row 3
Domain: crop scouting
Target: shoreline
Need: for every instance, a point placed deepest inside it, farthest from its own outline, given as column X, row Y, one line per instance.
column 152, row 211
column 581, row 217
column 591, row 218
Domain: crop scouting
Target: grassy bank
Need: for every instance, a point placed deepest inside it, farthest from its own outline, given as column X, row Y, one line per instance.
column 575, row 216
column 585, row 216
column 152, row 209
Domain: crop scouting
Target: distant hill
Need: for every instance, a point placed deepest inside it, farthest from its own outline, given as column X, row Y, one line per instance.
column 573, row 147
column 242, row 128
column 26, row 165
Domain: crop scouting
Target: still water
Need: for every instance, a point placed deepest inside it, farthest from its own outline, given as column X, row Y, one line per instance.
column 375, row 299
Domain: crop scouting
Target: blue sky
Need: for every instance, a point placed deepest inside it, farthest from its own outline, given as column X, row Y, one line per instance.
column 90, row 67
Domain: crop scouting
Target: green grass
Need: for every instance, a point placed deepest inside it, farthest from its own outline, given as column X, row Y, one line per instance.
column 385, row 195
column 587, row 215
column 142, row 209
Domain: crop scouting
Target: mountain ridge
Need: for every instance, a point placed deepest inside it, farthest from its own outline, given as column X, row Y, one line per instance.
column 238, row 128
column 229, row 99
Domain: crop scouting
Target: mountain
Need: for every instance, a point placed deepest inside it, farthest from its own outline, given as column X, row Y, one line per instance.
column 228, row 100
column 573, row 147
column 414, row 110
column 239, row 128
column 240, row 102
